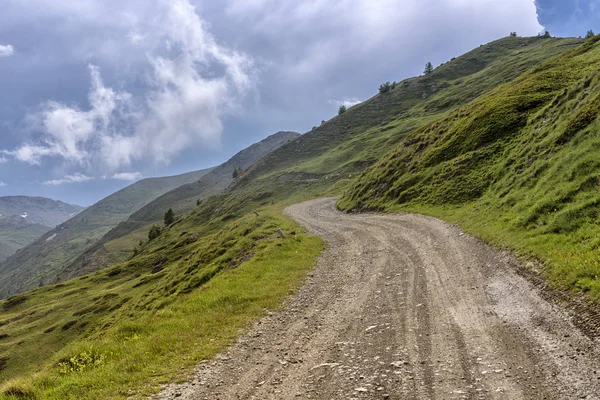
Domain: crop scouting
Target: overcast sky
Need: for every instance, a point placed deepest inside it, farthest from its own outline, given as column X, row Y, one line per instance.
column 95, row 94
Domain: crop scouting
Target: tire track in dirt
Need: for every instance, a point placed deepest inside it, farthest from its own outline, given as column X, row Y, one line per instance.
column 404, row 307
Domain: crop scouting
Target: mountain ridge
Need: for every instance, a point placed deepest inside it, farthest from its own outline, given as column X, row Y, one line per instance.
column 39, row 261
column 180, row 199
column 23, row 219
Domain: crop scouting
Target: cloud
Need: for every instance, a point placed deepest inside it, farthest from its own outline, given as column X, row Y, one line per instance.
column 3, row 160
column 2, row 184
column 75, row 178
column 345, row 102
column 127, row 176
column 314, row 37
column 6, row 50
column 191, row 83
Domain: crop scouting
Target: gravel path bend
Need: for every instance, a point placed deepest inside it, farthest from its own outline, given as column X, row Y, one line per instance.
column 404, row 307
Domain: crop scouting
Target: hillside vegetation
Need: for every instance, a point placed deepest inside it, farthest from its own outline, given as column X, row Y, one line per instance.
column 44, row 261
column 118, row 332
column 518, row 166
column 24, row 219
column 117, row 244
column 121, row 331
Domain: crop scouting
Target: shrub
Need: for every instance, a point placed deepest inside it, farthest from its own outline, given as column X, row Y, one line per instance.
column 154, row 232
column 82, row 361
column 342, row 109
column 590, row 34
column 513, row 34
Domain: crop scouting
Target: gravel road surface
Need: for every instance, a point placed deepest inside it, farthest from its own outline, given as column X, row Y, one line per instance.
column 405, row 307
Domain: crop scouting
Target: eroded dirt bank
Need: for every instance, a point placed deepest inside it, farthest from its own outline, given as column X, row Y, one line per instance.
column 404, row 307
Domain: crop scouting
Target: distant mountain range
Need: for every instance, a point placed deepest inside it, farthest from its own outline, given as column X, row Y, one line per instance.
column 24, row 219
column 79, row 245
column 61, row 242
column 116, row 245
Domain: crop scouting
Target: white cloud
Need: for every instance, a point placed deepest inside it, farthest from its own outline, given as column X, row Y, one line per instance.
column 75, row 178
column 127, row 176
column 315, row 36
column 3, row 160
column 345, row 102
column 192, row 83
column 2, row 184
column 6, row 50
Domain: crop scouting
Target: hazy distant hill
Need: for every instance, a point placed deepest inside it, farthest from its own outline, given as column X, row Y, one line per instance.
column 118, row 243
column 23, row 219
column 42, row 261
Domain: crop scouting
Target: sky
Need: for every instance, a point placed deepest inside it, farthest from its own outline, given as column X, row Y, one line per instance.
column 96, row 94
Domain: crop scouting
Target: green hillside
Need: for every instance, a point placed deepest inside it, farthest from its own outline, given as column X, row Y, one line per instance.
column 15, row 236
column 43, row 261
column 121, row 331
column 23, row 219
column 518, row 166
column 116, row 245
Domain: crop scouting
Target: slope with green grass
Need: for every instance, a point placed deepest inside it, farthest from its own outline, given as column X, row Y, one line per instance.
column 24, row 219
column 119, row 332
column 117, row 244
column 44, row 260
column 135, row 324
column 518, row 166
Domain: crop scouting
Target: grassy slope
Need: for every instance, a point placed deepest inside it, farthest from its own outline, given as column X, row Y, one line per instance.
column 142, row 326
column 12, row 238
column 518, row 166
column 42, row 215
column 117, row 244
column 45, row 261
column 185, row 305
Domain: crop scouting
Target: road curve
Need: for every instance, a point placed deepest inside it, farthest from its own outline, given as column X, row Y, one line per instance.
column 404, row 307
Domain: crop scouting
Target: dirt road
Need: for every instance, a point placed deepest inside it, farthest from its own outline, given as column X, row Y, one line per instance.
column 404, row 307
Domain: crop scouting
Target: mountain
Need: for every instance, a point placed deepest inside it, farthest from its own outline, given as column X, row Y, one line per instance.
column 42, row 261
column 117, row 244
column 503, row 140
column 24, row 219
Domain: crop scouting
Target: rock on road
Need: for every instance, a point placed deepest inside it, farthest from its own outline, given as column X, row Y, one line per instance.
column 404, row 307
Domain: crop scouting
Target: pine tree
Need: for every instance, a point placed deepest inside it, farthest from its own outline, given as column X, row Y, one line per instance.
column 342, row 109
column 385, row 87
column 169, row 217
column 590, row 34
column 428, row 68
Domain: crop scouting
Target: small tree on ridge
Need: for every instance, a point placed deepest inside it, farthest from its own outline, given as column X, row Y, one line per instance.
column 169, row 217
column 342, row 109
column 385, row 87
column 428, row 68
column 590, row 34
